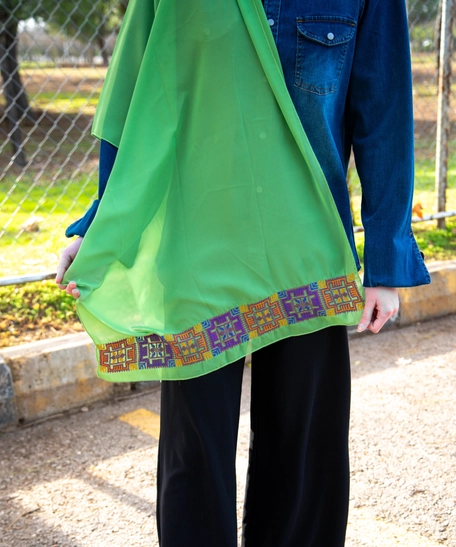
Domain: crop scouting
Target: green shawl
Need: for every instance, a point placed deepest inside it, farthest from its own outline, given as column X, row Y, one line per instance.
column 217, row 234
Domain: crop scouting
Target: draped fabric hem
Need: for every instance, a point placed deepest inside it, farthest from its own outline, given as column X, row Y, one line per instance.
column 221, row 340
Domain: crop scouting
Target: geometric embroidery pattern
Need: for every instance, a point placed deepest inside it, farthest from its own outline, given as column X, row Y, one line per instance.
column 262, row 317
column 189, row 347
column 119, row 356
column 153, row 352
column 214, row 336
column 304, row 303
column 225, row 331
column 340, row 296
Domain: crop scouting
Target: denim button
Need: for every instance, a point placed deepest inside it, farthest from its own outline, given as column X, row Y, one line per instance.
column 271, row 22
column 330, row 36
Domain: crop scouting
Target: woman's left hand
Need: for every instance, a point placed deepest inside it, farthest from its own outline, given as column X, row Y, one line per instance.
column 66, row 259
column 381, row 304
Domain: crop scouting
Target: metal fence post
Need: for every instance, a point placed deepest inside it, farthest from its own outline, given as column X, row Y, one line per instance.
column 443, row 108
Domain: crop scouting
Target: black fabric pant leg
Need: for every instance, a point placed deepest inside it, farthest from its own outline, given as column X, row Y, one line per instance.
column 298, row 479
column 196, row 499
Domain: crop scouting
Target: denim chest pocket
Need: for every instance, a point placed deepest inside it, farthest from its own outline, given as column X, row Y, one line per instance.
column 321, row 50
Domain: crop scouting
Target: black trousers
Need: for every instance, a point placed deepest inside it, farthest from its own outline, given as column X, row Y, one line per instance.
column 298, row 478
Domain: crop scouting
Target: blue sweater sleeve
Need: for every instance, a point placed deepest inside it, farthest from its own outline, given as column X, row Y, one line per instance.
column 108, row 154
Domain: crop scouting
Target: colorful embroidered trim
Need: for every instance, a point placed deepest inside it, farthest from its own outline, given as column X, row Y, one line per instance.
column 213, row 336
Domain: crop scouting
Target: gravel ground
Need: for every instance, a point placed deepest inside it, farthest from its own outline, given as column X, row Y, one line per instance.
column 88, row 478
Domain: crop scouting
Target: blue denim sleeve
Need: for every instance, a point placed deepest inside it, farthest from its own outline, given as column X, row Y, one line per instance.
column 380, row 119
column 108, row 154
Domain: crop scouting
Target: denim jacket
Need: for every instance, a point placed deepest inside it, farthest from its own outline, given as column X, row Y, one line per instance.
column 347, row 67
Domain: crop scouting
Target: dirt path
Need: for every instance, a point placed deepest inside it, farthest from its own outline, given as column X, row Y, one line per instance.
column 88, row 479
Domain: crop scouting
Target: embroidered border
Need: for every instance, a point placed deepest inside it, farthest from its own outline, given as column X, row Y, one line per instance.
column 211, row 337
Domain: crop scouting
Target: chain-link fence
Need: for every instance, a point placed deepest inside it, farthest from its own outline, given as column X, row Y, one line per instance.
column 53, row 58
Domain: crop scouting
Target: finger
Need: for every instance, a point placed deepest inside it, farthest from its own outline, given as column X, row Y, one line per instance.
column 366, row 318
column 60, row 272
column 76, row 293
column 378, row 323
column 64, row 264
column 381, row 319
column 71, row 287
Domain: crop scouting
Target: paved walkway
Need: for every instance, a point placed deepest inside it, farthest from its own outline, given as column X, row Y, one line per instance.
column 88, row 479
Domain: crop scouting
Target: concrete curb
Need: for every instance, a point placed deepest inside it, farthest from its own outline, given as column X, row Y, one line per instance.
column 430, row 301
column 48, row 377
column 52, row 376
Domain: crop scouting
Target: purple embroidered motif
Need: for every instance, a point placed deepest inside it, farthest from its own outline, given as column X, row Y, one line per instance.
column 153, row 351
column 302, row 303
column 225, row 331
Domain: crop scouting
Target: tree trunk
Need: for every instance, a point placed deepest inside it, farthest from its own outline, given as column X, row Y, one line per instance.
column 103, row 51
column 437, row 38
column 17, row 105
column 122, row 7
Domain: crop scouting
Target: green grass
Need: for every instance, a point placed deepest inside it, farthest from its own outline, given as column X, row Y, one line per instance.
column 436, row 244
column 77, row 102
column 35, row 310
column 34, row 65
column 61, row 194
column 23, row 252
column 70, row 103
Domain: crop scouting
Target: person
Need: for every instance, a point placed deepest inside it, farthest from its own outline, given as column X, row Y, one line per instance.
column 346, row 69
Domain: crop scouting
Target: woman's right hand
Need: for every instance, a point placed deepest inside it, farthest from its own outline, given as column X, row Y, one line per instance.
column 67, row 257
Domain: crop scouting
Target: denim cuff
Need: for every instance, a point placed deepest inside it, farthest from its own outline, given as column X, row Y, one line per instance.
column 394, row 262
column 80, row 227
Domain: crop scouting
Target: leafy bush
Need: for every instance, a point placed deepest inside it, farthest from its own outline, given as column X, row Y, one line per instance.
column 33, row 311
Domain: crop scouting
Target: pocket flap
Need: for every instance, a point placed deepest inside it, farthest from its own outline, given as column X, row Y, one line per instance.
column 328, row 31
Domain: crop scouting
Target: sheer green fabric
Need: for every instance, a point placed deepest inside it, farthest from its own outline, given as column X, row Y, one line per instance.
column 217, row 233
